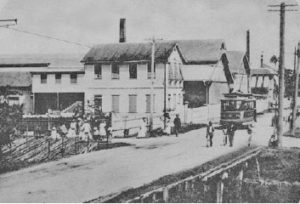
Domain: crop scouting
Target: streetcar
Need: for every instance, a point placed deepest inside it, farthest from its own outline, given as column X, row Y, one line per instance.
column 238, row 109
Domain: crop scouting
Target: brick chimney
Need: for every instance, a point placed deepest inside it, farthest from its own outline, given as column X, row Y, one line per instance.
column 122, row 37
column 248, row 46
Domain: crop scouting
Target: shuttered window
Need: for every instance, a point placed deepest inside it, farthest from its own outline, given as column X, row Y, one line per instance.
column 148, row 103
column 132, row 103
column 115, row 103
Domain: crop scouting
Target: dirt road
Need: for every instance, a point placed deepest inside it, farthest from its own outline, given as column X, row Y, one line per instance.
column 84, row 177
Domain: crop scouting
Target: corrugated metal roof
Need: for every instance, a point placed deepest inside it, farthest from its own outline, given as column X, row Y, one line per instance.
column 15, row 79
column 193, row 51
column 121, row 52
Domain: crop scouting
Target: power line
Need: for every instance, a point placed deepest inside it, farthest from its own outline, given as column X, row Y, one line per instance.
column 46, row 36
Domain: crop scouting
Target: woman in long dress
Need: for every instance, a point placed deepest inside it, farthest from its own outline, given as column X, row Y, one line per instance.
column 168, row 127
column 72, row 130
column 143, row 129
column 102, row 130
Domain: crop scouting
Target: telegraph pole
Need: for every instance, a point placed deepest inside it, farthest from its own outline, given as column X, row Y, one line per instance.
column 153, row 42
column 296, row 89
column 281, row 67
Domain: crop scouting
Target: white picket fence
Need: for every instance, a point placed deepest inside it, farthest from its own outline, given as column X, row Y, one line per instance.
column 132, row 122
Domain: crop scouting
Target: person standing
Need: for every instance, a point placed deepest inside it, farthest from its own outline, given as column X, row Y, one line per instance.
column 102, row 130
column 210, row 134
column 177, row 125
column 72, row 130
column 249, row 131
column 230, row 132
column 143, row 129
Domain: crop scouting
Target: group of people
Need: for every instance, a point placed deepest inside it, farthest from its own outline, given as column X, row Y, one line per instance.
column 168, row 127
column 85, row 129
column 228, row 134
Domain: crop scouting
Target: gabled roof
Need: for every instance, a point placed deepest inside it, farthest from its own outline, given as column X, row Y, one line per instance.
column 122, row 52
column 236, row 62
column 201, row 51
column 15, row 79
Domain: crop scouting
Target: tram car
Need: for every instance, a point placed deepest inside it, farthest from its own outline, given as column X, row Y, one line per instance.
column 238, row 108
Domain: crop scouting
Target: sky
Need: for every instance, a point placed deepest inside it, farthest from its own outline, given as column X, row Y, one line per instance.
column 91, row 22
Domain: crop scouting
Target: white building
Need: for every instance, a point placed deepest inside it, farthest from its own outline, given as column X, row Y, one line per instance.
column 118, row 78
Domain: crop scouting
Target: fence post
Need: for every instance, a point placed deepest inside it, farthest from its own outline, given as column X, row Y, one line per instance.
column 88, row 143
column 62, row 146
column 75, row 145
column 49, row 143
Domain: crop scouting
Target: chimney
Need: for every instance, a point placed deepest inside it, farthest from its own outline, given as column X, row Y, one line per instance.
column 248, row 46
column 262, row 60
column 122, row 36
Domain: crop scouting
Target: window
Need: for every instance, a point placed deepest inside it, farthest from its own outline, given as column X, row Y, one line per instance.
column 98, row 71
column 148, row 103
column 132, row 70
column 98, row 101
column 115, row 71
column 58, row 78
column 132, row 103
column 115, row 103
column 43, row 78
column 73, row 78
column 149, row 70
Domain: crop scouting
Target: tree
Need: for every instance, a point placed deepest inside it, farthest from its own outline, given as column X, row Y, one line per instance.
column 274, row 60
column 9, row 118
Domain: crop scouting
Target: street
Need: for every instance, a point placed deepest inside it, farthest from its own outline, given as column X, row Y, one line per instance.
column 87, row 176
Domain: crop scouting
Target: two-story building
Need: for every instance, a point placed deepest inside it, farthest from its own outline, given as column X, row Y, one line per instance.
column 118, row 78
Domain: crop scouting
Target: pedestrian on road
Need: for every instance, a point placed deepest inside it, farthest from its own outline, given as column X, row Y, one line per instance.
column 230, row 132
column 143, row 128
column 210, row 134
column 249, row 131
column 177, row 125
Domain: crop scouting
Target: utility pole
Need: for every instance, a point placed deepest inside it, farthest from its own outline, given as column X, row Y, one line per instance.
column 281, row 67
column 296, row 89
column 153, row 42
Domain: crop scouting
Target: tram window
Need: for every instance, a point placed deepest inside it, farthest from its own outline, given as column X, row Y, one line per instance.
column 229, row 106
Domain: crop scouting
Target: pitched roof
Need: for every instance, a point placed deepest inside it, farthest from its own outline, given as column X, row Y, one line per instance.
column 40, row 60
column 128, row 52
column 201, row 51
column 15, row 79
column 236, row 61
